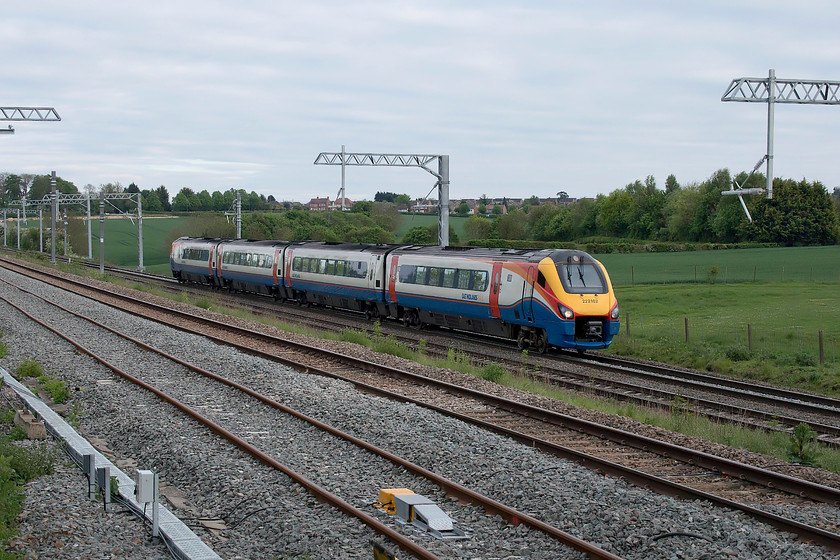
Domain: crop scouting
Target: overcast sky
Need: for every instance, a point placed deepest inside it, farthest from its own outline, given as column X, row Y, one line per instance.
column 527, row 98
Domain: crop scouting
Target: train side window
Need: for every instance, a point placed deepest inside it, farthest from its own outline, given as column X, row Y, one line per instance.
column 434, row 276
column 330, row 267
column 420, row 277
column 480, row 280
column 357, row 269
column 296, row 264
column 340, row 267
column 407, row 273
column 463, row 279
column 541, row 279
column 269, row 261
column 448, row 278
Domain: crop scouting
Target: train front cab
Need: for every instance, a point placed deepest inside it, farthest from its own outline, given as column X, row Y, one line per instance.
column 585, row 311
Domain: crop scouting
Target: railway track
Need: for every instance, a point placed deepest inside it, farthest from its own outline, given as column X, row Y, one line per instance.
column 539, row 427
column 271, row 406
column 650, row 385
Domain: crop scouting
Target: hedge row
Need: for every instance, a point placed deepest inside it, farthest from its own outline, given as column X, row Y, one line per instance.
column 615, row 246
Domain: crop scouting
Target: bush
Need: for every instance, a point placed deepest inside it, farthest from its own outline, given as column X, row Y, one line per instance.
column 56, row 388
column 11, row 497
column 29, row 368
column 26, row 463
column 737, row 353
column 493, row 372
column 803, row 444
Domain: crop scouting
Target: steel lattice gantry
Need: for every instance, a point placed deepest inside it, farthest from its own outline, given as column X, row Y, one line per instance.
column 772, row 90
column 344, row 159
column 56, row 198
column 26, row 114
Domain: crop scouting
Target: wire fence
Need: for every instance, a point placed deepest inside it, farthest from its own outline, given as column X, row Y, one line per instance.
column 739, row 339
column 726, row 274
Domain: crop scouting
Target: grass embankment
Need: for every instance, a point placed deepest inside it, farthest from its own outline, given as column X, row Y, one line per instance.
column 767, row 332
column 781, row 354
column 18, row 466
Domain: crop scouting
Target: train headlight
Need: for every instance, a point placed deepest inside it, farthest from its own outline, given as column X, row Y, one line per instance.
column 565, row 312
column 614, row 312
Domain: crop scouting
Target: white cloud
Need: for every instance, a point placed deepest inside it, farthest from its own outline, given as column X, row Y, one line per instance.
column 522, row 97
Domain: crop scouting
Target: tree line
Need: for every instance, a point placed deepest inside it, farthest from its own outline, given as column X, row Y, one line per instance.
column 800, row 213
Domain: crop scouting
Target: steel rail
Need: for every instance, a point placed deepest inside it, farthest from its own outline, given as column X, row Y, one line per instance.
column 451, row 487
column 732, row 387
column 757, row 475
column 721, row 385
column 732, row 468
column 806, row 402
column 320, row 493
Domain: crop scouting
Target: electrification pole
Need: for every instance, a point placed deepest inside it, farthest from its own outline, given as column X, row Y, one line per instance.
column 772, row 90
column 400, row 160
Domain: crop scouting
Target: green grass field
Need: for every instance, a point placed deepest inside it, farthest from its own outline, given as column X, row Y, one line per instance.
column 763, row 331
column 754, row 313
column 779, row 264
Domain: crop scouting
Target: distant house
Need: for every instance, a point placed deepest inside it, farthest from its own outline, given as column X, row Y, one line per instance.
column 336, row 205
column 318, row 204
column 424, row 206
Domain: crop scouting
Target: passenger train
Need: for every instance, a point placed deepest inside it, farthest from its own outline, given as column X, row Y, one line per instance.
column 540, row 298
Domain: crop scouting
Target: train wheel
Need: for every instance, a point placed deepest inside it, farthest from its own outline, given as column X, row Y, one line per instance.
column 411, row 319
column 520, row 341
column 372, row 312
column 541, row 344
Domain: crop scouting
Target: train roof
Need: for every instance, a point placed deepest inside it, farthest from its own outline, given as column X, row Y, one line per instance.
column 527, row 255
column 372, row 248
column 255, row 242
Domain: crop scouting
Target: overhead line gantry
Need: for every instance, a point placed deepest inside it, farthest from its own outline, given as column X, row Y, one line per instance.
column 26, row 114
column 772, row 90
column 422, row 161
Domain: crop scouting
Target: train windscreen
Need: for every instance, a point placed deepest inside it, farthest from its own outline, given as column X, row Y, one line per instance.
column 581, row 278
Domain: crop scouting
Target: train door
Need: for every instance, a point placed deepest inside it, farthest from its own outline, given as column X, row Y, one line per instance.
column 392, row 279
column 276, row 271
column 528, row 295
column 215, row 265
column 495, row 288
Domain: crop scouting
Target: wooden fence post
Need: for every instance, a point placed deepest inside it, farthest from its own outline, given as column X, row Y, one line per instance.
column 822, row 350
column 627, row 322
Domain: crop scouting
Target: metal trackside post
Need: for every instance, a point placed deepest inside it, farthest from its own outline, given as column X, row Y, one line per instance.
column 90, row 236
column 53, row 217
column 140, row 230
column 102, row 232
column 443, row 198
